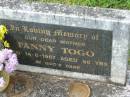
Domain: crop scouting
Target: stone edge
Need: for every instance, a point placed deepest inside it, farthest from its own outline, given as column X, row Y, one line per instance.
column 119, row 68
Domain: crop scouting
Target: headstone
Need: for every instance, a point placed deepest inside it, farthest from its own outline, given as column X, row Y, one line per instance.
column 79, row 42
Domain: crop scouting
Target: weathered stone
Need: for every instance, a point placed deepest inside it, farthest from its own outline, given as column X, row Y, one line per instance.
column 116, row 21
column 20, row 86
column 54, row 86
column 78, row 89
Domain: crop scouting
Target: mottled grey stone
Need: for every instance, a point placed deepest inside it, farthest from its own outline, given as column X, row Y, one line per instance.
column 117, row 21
column 55, row 86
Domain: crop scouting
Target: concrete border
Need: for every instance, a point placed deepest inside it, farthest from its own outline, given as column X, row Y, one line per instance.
column 117, row 21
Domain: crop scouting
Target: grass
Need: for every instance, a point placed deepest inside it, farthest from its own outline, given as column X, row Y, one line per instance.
column 129, row 58
column 120, row 4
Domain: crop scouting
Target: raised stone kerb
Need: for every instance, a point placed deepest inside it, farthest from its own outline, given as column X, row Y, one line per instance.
column 117, row 21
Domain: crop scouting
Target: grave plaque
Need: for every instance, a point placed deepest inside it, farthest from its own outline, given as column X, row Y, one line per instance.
column 68, row 48
column 71, row 41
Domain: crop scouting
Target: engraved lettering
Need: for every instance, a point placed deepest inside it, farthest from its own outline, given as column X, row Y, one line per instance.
column 88, row 62
column 36, row 30
column 14, row 28
column 70, row 34
column 69, row 59
column 78, row 52
column 32, row 38
column 38, row 47
column 48, row 40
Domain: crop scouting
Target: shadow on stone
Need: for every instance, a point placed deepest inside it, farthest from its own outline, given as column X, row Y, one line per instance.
column 20, row 86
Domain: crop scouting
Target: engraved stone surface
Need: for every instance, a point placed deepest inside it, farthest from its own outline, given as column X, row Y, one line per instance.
column 61, row 47
column 113, row 21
